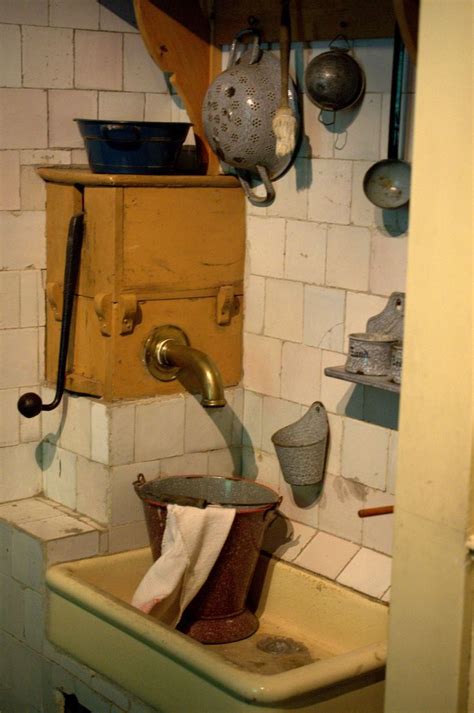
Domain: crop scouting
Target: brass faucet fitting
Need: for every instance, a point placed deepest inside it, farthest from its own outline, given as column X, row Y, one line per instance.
column 167, row 351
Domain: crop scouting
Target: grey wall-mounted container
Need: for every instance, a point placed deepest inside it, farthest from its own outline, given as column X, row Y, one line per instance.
column 301, row 447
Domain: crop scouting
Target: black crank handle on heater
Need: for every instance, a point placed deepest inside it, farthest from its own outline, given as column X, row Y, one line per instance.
column 31, row 404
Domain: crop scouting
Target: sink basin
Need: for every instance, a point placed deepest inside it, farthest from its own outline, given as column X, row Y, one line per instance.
column 320, row 647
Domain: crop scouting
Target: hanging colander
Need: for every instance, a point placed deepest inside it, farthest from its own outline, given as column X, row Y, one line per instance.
column 238, row 110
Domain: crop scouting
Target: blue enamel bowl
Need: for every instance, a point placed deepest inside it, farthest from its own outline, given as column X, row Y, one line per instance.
column 136, row 147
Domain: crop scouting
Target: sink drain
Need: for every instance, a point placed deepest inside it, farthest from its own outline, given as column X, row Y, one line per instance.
column 281, row 645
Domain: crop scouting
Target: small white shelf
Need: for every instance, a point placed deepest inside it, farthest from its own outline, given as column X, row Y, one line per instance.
column 378, row 382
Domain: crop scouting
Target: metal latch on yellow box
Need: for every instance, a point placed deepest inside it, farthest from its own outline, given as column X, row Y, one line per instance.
column 127, row 306
column 225, row 304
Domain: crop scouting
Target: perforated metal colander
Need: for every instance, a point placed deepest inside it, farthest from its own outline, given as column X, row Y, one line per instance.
column 238, row 111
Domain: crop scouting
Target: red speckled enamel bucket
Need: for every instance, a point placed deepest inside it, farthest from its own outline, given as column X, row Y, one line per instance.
column 218, row 613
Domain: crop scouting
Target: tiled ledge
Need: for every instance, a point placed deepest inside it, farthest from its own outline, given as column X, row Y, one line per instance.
column 37, row 532
column 357, row 567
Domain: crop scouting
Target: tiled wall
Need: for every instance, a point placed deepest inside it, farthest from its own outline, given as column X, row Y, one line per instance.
column 320, row 261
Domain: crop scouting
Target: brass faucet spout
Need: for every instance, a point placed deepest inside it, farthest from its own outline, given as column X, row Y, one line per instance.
column 201, row 365
column 167, row 351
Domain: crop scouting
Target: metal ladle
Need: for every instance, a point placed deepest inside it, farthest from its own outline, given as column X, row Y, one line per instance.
column 387, row 182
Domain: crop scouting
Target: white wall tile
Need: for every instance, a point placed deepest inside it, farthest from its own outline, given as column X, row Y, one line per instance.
column 125, row 505
column 206, row 429
column 20, row 472
column 23, row 245
column 392, row 462
column 10, row 55
column 266, row 245
column 284, row 310
column 60, row 474
column 18, row 348
column 333, row 459
column 335, row 394
column 329, row 196
column 56, row 528
column 27, row 510
column 362, row 210
column 252, row 419
column 359, row 308
column 254, row 304
column 23, row 119
column 157, row 107
column 123, row 106
column 388, row 264
column 47, row 57
column 9, row 417
column 67, row 549
column 305, row 253
column 42, row 156
column 34, row 619
column 64, row 107
column 25, row 12
column 9, row 180
column 187, row 464
column 76, row 432
column 93, row 488
column 122, row 433
column 27, row 560
column 368, row 572
column 79, row 14
column 159, row 429
column 100, row 424
column 300, row 373
column 9, row 299
column 377, row 531
column 98, row 60
column 276, row 414
column 361, row 140
column 31, row 299
column 128, row 537
column 348, row 256
column 262, row 364
column 365, row 453
column 141, row 74
column 291, row 195
column 79, row 157
column 33, row 189
column 266, row 466
column 318, row 141
column 226, row 461
column 13, row 605
column 375, row 56
column 326, row 555
column 323, row 317
column 341, row 499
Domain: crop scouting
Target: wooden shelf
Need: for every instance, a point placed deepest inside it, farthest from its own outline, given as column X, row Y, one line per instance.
column 377, row 382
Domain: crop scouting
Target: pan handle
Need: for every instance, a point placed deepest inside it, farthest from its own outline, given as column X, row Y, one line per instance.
column 31, row 404
column 269, row 196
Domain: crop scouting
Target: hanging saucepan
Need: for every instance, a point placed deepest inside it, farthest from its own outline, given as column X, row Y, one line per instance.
column 238, row 110
column 334, row 80
column 387, row 182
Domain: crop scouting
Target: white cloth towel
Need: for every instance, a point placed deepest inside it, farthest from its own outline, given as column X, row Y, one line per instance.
column 192, row 541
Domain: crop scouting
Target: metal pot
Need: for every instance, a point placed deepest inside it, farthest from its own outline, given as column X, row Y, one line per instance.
column 238, row 111
column 334, row 80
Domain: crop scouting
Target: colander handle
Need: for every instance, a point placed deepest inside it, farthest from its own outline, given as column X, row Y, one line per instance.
column 255, row 56
column 269, row 196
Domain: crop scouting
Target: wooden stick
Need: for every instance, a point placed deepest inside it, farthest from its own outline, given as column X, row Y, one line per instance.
column 371, row 512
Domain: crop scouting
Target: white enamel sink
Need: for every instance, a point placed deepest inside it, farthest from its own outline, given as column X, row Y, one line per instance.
column 343, row 635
